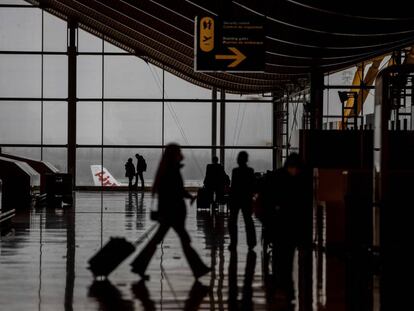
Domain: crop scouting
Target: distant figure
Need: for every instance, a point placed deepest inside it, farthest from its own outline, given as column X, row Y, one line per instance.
column 169, row 187
column 130, row 173
column 141, row 168
column 214, row 181
column 286, row 195
column 241, row 196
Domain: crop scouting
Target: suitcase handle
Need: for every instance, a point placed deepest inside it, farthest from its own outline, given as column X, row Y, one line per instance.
column 145, row 235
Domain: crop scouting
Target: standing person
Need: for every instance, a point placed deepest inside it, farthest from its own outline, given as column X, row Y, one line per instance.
column 241, row 196
column 169, row 187
column 130, row 173
column 287, row 197
column 141, row 168
column 214, row 180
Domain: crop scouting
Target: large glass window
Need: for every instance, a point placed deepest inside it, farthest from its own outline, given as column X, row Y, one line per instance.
column 30, row 152
column 248, row 124
column 129, row 123
column 131, row 77
column 85, row 157
column 20, row 29
column 124, row 104
column 20, row 122
column 20, row 75
column 57, row 157
column 89, row 76
column 195, row 162
column 88, row 42
column 188, row 123
column 179, row 88
column 55, row 34
column 89, row 123
column 55, row 76
column 55, row 122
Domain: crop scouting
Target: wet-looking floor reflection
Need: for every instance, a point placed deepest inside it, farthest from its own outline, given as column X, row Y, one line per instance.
column 43, row 264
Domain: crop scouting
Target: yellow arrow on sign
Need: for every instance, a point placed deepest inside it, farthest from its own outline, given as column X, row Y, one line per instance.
column 237, row 56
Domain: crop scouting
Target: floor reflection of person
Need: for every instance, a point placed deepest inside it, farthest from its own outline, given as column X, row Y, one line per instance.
column 212, row 227
column 195, row 297
column 109, row 297
column 286, row 219
column 233, row 288
column 241, row 196
column 141, row 292
column 247, row 298
column 130, row 207
column 169, row 187
column 247, row 292
column 141, row 216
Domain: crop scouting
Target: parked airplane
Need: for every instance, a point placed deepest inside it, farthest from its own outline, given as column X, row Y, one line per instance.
column 101, row 177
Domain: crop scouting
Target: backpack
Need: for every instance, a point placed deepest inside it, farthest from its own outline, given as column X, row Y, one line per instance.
column 142, row 164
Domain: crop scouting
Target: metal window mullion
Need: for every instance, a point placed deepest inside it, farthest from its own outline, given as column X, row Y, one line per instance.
column 163, row 109
column 72, row 100
column 103, row 104
column 42, row 89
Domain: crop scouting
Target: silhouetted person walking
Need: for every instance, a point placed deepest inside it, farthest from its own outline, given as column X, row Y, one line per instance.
column 169, row 187
column 215, row 180
column 130, row 173
column 141, row 168
column 241, row 194
column 286, row 222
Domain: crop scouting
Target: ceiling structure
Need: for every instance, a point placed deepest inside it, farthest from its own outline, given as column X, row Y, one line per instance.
column 301, row 36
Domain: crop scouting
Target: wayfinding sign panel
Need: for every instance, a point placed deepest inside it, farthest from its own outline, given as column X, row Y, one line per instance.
column 228, row 45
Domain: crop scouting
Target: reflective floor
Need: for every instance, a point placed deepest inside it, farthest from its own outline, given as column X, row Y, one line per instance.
column 43, row 265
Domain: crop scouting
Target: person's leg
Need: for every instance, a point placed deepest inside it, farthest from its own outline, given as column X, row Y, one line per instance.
column 214, row 198
column 136, row 180
column 250, row 230
column 220, row 195
column 287, row 270
column 209, row 195
column 141, row 177
column 196, row 264
column 234, row 213
column 283, row 265
column 130, row 182
column 141, row 262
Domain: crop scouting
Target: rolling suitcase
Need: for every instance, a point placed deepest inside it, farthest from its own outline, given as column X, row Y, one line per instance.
column 114, row 252
column 203, row 198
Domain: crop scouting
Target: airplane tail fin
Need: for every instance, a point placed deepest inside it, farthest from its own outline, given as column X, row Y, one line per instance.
column 101, row 177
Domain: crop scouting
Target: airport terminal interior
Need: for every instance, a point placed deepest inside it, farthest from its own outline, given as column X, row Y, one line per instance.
column 122, row 118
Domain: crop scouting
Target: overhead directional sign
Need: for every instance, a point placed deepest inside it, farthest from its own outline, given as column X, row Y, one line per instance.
column 228, row 45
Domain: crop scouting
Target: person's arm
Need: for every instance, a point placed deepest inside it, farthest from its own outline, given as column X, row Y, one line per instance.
column 253, row 181
column 188, row 195
column 185, row 194
column 207, row 173
column 233, row 178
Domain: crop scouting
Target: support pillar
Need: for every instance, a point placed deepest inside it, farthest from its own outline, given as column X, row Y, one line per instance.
column 72, row 51
column 277, row 133
column 222, row 125
column 316, row 100
column 214, row 122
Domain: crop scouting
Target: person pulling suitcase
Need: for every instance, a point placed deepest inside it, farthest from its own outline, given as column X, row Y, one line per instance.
column 169, row 187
